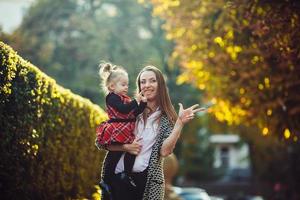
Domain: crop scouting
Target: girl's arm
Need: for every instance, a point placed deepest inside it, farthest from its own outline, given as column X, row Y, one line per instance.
column 184, row 116
column 141, row 107
column 116, row 102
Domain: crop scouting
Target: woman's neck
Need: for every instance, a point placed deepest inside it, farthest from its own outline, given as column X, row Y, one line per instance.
column 152, row 105
column 151, row 108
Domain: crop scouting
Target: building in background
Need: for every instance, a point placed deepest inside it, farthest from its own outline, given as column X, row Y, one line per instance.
column 232, row 155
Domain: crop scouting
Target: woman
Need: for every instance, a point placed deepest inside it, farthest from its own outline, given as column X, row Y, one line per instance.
column 157, row 131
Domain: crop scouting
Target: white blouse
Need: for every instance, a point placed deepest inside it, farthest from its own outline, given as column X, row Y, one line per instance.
column 148, row 134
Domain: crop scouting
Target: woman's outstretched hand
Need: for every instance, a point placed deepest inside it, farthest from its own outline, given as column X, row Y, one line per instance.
column 185, row 115
column 135, row 147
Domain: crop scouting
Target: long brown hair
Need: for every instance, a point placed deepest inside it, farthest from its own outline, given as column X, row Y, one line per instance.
column 163, row 99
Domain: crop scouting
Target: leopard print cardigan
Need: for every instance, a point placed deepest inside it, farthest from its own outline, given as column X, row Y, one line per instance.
column 155, row 184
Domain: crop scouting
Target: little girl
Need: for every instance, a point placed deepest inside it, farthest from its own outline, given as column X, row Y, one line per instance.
column 122, row 112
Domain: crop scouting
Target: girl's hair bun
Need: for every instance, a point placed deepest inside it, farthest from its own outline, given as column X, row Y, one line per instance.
column 105, row 69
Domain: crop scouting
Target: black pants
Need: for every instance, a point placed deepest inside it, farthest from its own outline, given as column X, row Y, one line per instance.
column 112, row 160
column 121, row 191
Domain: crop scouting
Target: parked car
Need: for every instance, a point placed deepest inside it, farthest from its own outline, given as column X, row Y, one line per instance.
column 191, row 193
column 216, row 198
column 245, row 197
column 248, row 197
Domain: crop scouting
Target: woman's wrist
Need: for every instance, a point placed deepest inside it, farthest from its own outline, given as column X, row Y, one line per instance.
column 125, row 147
column 179, row 122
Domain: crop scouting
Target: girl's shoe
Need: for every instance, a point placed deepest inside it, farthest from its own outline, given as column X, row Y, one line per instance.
column 106, row 190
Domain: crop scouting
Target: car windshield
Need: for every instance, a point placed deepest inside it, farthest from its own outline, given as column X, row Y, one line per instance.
column 193, row 194
column 195, row 197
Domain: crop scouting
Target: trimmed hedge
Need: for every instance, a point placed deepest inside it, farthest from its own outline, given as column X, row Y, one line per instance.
column 47, row 135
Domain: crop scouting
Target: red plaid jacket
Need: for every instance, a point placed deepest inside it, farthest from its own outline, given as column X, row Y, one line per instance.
column 122, row 114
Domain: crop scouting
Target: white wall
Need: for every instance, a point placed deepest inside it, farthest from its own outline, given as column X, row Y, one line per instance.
column 238, row 155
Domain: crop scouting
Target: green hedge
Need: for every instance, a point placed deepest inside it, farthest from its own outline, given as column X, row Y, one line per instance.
column 47, row 135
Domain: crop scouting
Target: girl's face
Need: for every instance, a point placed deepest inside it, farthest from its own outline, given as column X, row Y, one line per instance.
column 148, row 84
column 120, row 86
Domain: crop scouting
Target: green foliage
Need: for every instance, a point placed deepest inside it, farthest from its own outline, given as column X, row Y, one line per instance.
column 69, row 39
column 47, row 135
column 244, row 55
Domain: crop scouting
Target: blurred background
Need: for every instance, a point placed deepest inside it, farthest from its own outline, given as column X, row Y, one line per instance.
column 241, row 56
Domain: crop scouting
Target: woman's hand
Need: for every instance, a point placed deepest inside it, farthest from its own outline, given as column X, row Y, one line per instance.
column 185, row 115
column 135, row 147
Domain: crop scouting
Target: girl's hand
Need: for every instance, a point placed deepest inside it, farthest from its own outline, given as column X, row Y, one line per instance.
column 140, row 97
column 186, row 115
column 144, row 99
column 135, row 147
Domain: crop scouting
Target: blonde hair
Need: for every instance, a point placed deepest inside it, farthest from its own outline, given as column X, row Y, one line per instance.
column 163, row 99
column 110, row 73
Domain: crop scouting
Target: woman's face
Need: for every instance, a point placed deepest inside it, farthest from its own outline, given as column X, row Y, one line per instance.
column 148, row 84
